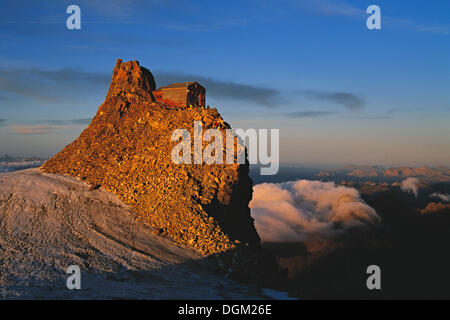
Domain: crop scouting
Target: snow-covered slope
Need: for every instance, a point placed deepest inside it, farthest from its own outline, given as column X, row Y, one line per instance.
column 49, row 222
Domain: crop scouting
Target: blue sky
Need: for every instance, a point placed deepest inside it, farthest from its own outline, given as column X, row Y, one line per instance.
column 338, row 92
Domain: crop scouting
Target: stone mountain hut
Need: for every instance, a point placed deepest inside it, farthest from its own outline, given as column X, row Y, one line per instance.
column 181, row 95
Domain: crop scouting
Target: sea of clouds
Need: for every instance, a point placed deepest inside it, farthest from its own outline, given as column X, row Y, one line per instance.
column 297, row 210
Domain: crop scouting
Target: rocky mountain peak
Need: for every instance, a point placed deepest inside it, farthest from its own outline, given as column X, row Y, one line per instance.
column 126, row 150
column 129, row 78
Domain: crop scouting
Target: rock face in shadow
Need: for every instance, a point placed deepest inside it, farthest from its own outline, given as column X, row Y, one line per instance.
column 126, row 150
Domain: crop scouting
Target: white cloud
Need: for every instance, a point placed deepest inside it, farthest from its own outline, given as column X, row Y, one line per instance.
column 443, row 197
column 410, row 185
column 297, row 210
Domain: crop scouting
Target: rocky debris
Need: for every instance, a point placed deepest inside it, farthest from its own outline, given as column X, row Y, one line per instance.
column 126, row 150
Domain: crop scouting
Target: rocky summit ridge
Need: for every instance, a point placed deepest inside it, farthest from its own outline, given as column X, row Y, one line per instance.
column 126, row 150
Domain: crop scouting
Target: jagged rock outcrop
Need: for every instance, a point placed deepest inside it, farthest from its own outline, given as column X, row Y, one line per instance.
column 126, row 150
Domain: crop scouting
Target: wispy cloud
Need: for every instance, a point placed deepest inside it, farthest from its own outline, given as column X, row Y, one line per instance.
column 213, row 26
column 68, row 122
column 349, row 100
column 309, row 114
column 45, row 126
column 115, row 8
column 2, row 122
column 442, row 196
column 348, row 10
column 64, row 86
column 31, row 129
column 268, row 97
column 264, row 96
column 118, row 9
column 335, row 8
column 71, row 86
column 435, row 29
column 369, row 117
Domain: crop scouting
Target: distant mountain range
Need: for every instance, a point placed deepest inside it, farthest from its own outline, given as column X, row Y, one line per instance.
column 10, row 164
column 354, row 173
column 7, row 158
column 378, row 173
